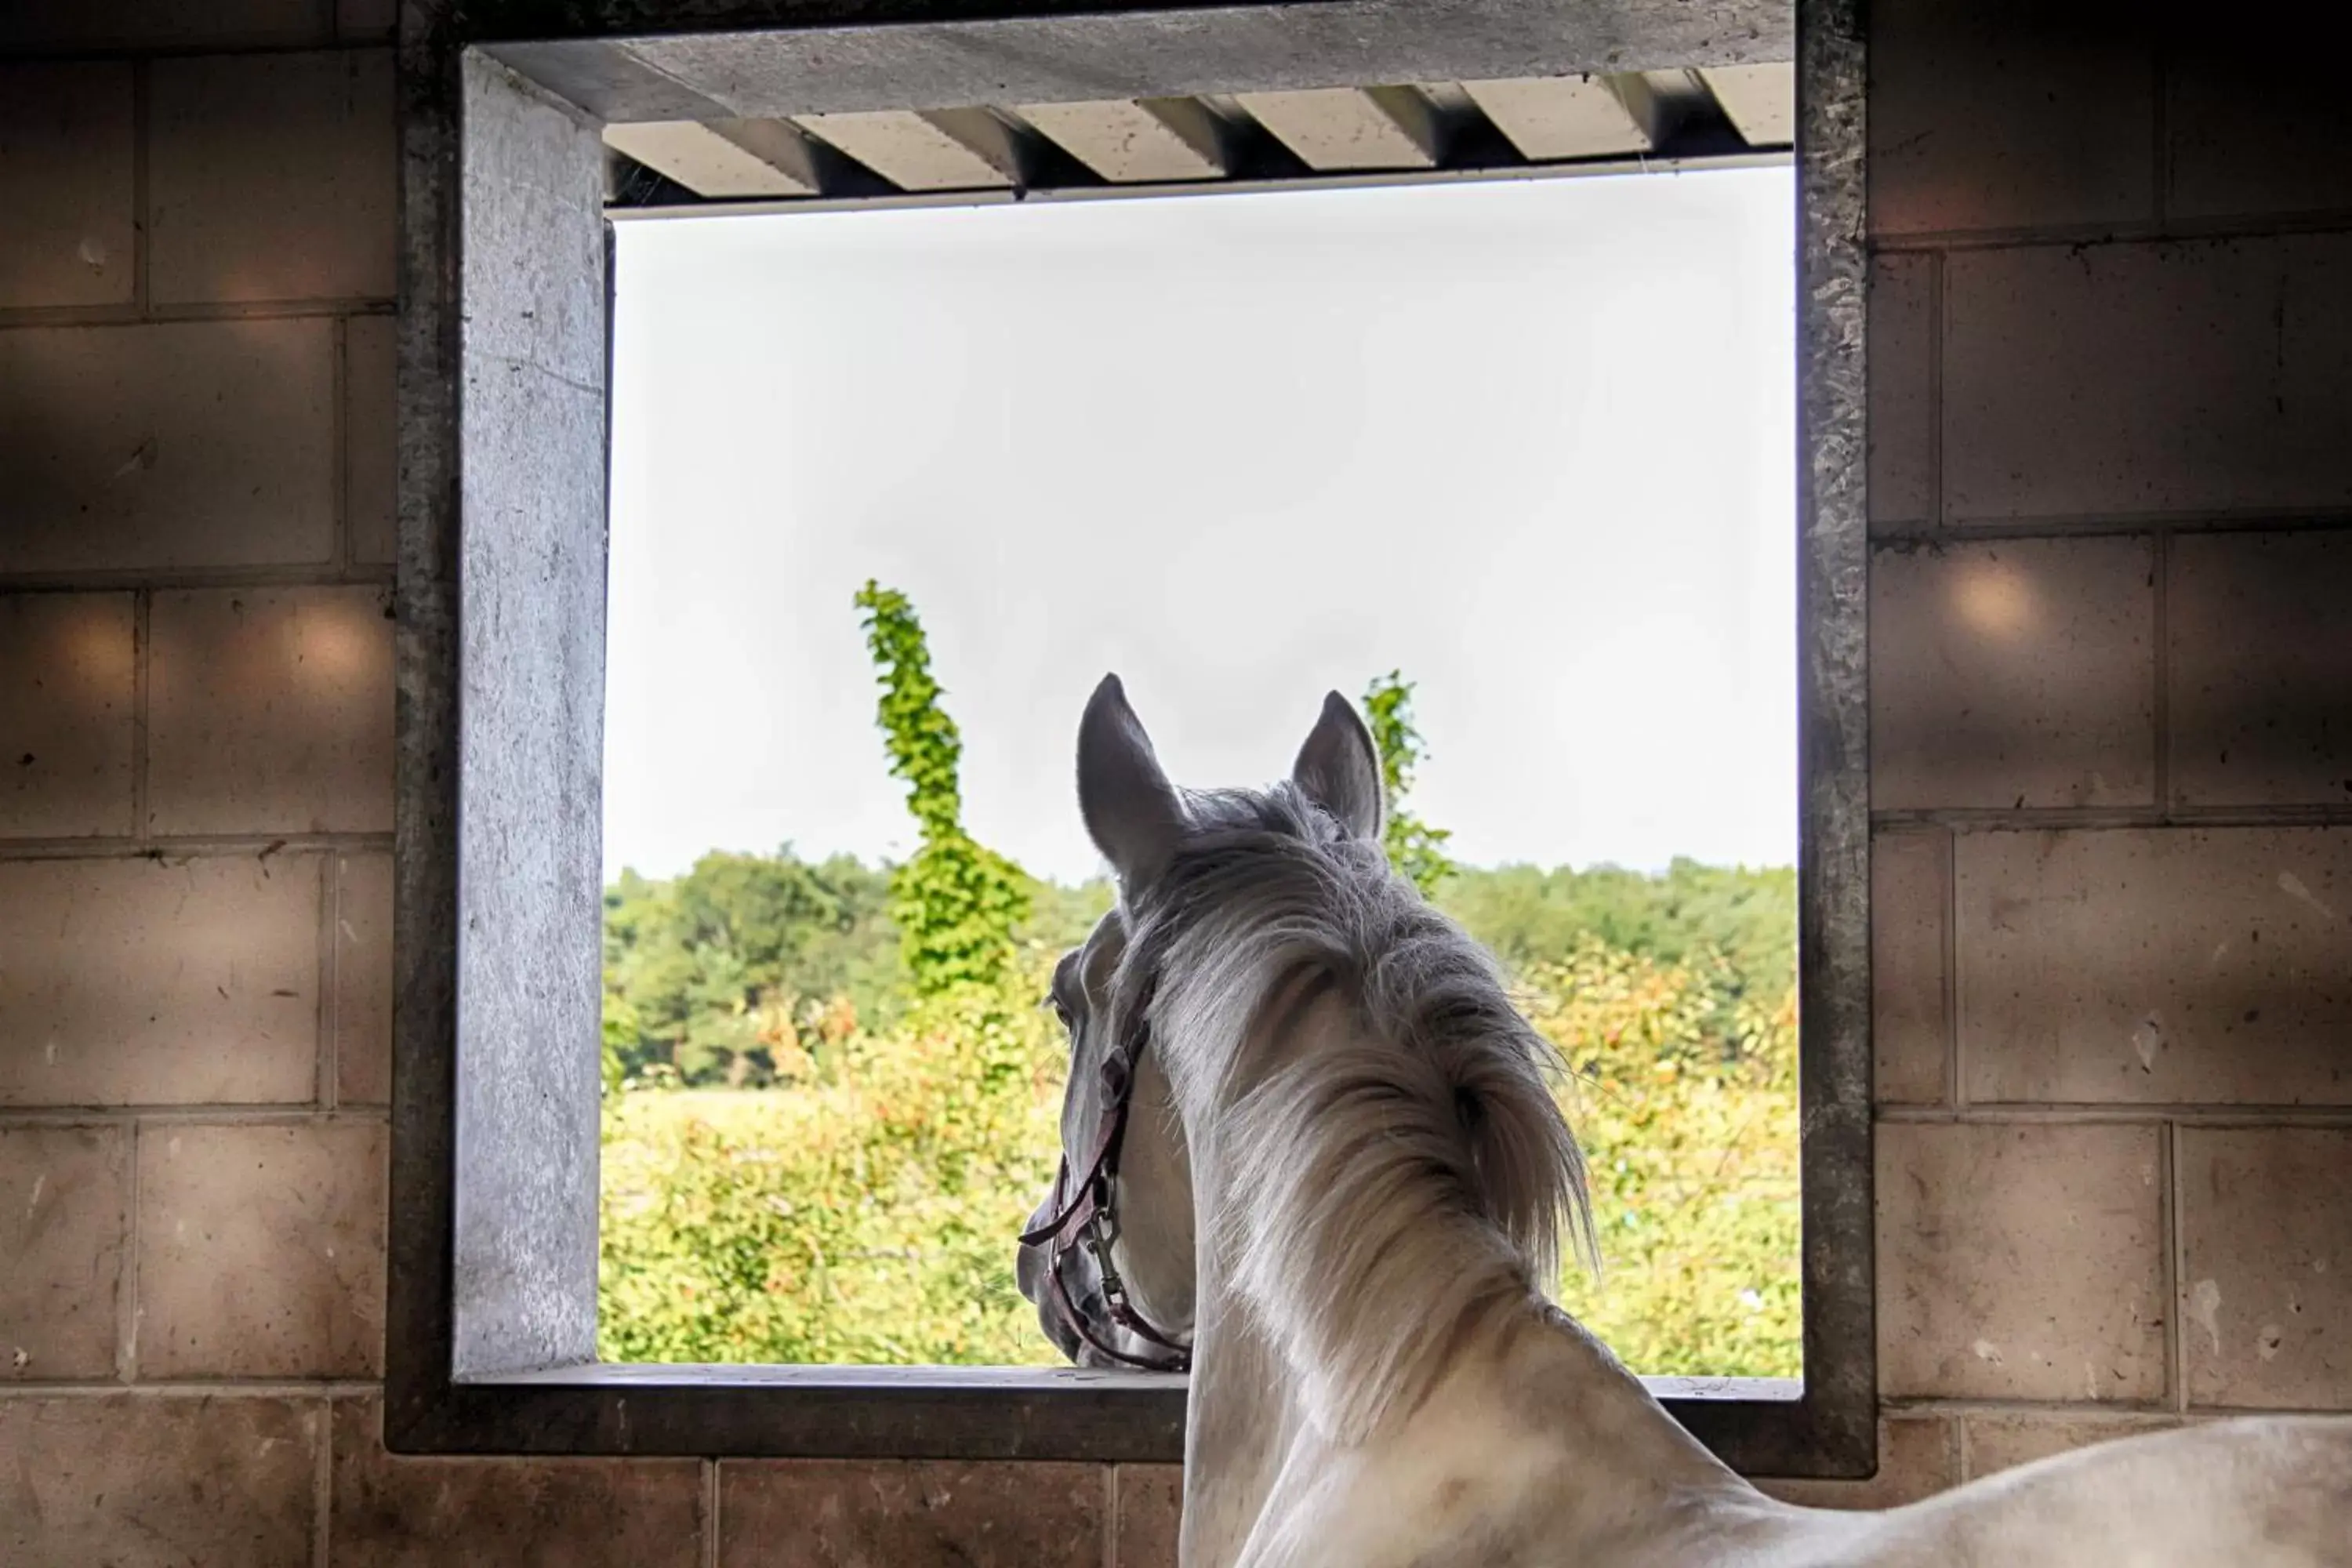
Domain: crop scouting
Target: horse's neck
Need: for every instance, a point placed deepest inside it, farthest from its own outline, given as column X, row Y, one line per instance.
column 1535, row 1451
column 1242, row 1418
column 1537, row 1435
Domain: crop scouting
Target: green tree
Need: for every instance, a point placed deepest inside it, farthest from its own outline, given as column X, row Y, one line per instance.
column 619, row 1034
column 1527, row 915
column 706, row 974
column 1415, row 848
column 1060, row 918
column 957, row 903
column 1734, row 927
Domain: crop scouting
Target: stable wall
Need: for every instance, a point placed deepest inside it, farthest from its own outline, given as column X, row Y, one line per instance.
column 2112, row 703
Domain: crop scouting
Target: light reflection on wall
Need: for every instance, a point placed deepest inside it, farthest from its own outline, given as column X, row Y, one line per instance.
column 1993, row 600
column 335, row 642
column 92, row 646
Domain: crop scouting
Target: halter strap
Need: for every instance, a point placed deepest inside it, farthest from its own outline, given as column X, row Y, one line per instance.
column 1079, row 1220
column 1078, row 1321
column 1082, row 1205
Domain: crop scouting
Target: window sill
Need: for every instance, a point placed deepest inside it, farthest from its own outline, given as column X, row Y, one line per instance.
column 935, row 1412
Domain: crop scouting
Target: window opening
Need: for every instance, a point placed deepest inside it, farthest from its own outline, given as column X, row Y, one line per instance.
column 1510, row 463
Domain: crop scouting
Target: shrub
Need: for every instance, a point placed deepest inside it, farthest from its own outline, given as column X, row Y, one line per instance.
column 866, row 1213
column 863, row 1215
column 1691, row 1140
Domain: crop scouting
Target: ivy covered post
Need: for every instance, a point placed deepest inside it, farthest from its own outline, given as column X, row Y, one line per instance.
column 956, row 902
column 1415, row 848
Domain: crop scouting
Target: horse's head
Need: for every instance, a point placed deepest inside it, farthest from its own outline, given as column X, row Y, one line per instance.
column 1108, row 1258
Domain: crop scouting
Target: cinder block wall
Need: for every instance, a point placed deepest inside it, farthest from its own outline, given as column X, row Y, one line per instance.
column 2113, row 769
column 2111, row 478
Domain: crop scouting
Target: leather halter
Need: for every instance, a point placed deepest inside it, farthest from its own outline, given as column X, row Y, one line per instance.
column 1088, row 1217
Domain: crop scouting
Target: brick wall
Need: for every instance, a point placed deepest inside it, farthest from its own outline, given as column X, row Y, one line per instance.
column 2113, row 699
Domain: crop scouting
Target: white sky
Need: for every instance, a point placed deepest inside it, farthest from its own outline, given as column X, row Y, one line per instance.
column 1532, row 441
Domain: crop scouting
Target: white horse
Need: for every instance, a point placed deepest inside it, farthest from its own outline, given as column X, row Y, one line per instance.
column 1311, row 1153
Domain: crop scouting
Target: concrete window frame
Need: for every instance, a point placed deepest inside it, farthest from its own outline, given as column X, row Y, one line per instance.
column 504, row 350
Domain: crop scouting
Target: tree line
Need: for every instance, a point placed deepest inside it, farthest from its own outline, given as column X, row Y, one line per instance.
column 737, row 971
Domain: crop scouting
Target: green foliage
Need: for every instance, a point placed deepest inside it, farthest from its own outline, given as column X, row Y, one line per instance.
column 1060, row 918
column 813, row 935
column 1744, row 920
column 866, row 1216
column 717, row 976
column 707, row 974
column 1415, row 848
column 863, row 1209
column 622, row 1032
column 957, row 903
column 1690, row 1136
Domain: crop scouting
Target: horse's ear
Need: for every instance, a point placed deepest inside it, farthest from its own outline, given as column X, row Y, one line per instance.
column 1132, row 812
column 1339, row 768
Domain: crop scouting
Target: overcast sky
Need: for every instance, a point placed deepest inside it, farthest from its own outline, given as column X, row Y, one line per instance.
column 1531, row 441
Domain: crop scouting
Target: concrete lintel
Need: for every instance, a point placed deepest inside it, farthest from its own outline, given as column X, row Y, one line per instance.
column 937, row 149
column 1351, row 128
column 1759, row 100
column 683, row 61
column 1128, row 140
column 1553, row 118
column 723, row 157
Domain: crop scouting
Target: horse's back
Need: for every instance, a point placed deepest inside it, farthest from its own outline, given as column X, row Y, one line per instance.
column 2265, row 1492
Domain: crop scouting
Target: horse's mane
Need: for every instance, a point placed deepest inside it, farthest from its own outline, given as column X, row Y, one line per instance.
column 1353, row 1165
